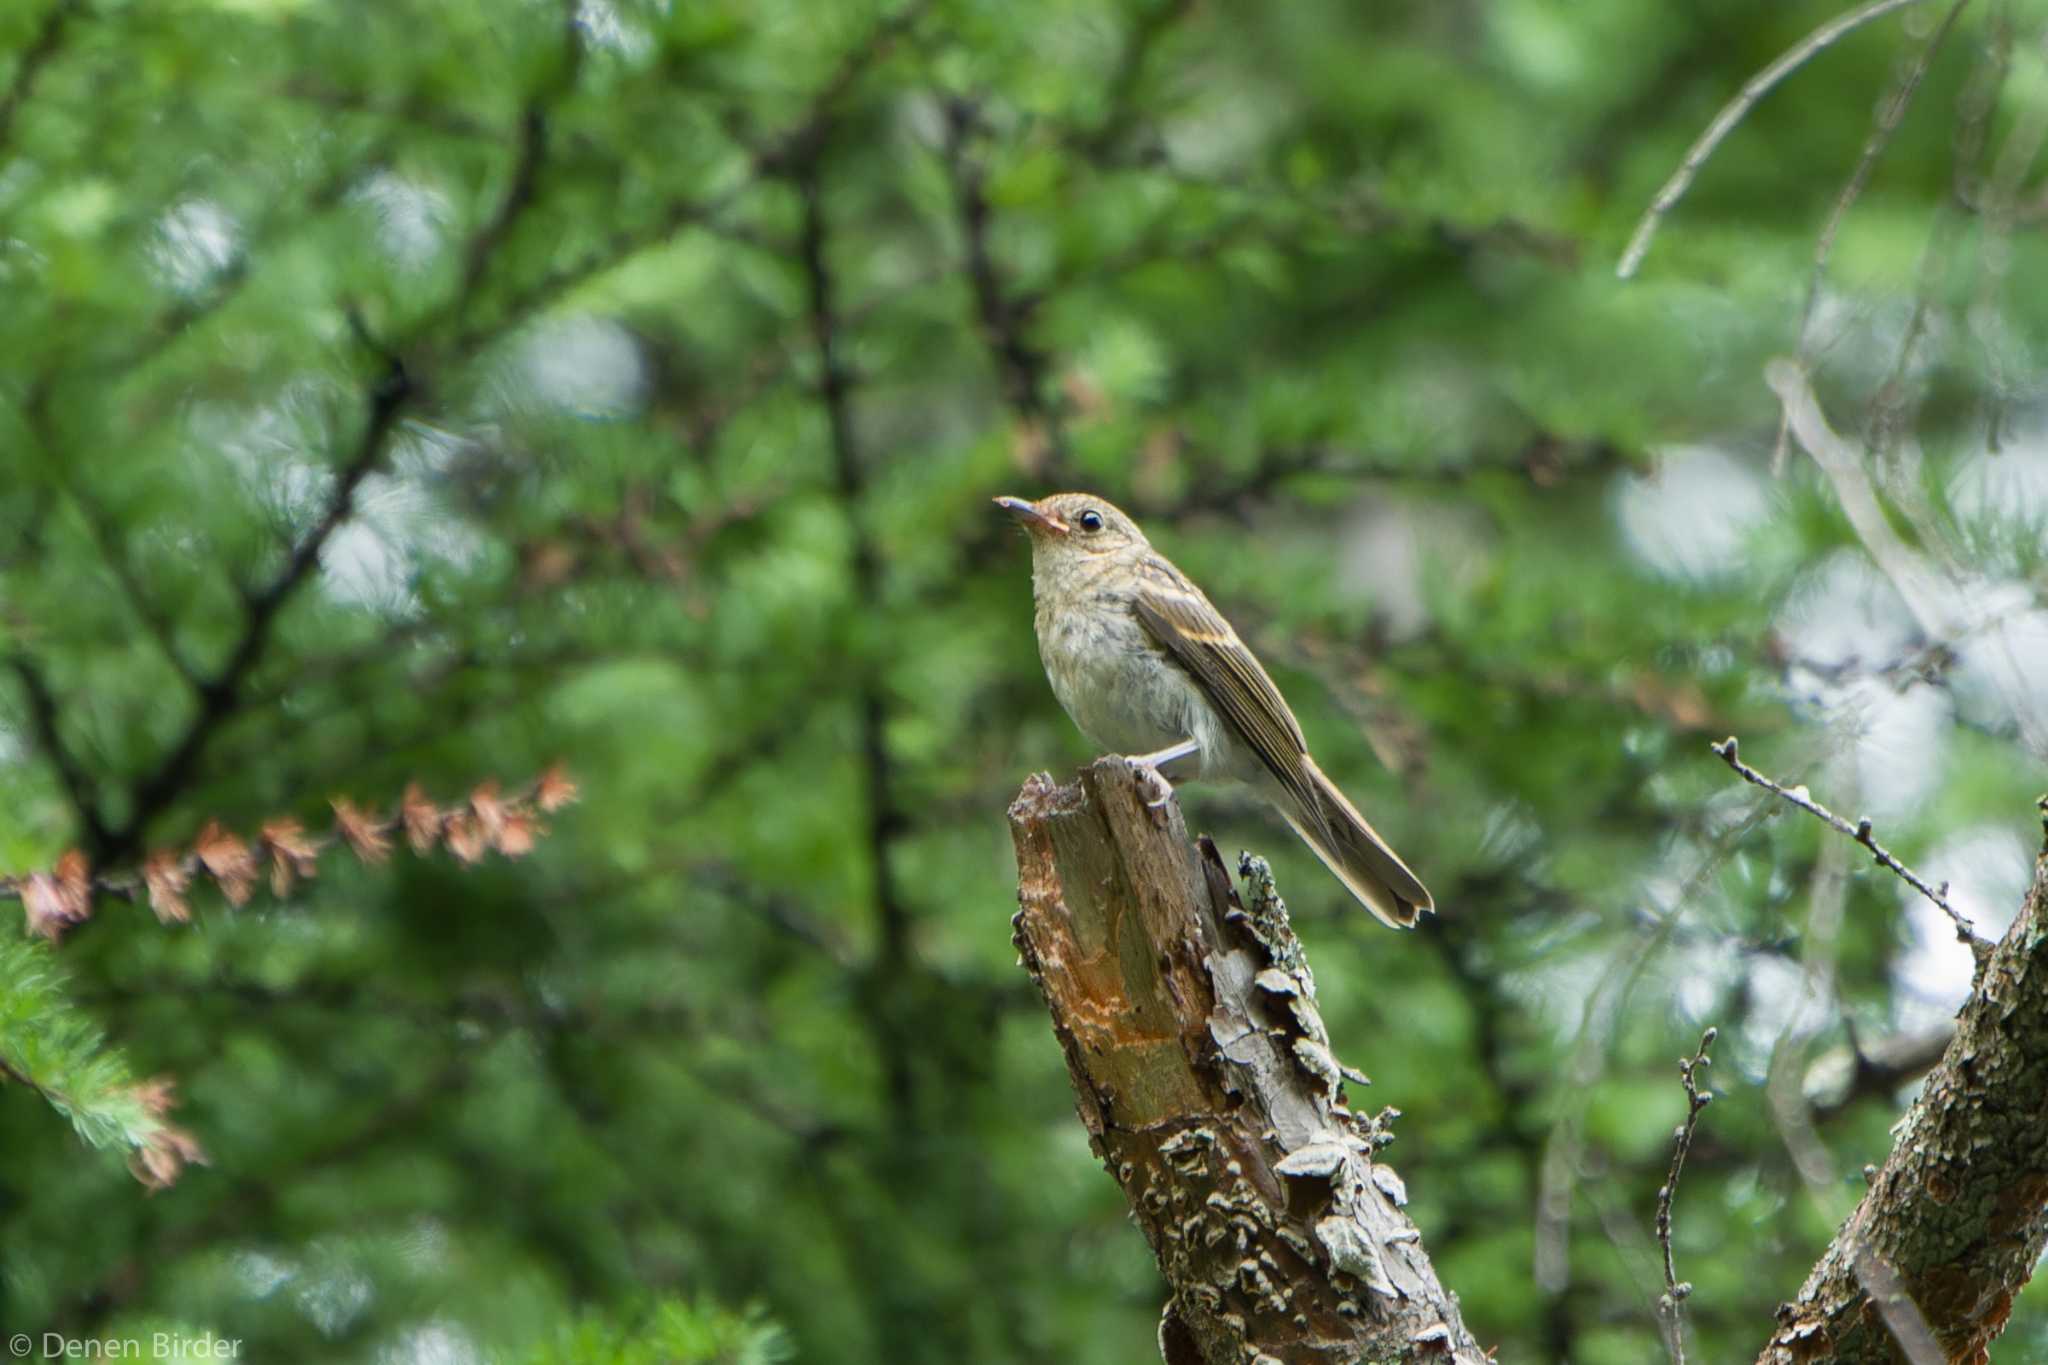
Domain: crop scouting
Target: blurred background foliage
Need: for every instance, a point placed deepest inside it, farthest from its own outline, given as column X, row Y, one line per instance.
column 404, row 390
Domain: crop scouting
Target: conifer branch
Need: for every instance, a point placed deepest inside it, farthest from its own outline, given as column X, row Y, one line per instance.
column 51, row 1047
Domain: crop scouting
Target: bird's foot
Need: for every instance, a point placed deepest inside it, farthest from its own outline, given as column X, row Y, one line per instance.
column 1152, row 784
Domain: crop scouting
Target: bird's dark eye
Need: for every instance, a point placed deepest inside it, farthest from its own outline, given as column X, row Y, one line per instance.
column 1090, row 520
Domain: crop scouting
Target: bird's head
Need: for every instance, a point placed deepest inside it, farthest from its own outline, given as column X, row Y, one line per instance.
column 1073, row 526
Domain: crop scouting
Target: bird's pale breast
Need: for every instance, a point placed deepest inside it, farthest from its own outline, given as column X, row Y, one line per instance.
column 1114, row 680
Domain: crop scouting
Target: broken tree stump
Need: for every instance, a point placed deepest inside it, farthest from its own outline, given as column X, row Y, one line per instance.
column 1205, row 1077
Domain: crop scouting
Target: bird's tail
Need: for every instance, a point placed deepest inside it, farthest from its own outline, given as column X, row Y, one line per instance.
column 1349, row 846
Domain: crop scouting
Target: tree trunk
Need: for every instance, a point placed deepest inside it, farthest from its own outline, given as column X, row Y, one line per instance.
column 1204, row 1075
column 1927, row 1265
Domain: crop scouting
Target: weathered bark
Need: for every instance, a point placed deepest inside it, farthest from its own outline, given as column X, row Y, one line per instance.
column 1204, row 1075
column 1927, row 1266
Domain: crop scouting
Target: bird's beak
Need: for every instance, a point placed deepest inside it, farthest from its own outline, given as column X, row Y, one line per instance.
column 1028, row 513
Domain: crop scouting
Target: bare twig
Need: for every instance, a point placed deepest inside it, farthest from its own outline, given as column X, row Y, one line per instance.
column 1605, row 1005
column 1888, row 121
column 1940, row 602
column 1974, row 107
column 1999, row 205
column 1784, row 1075
column 1842, row 462
column 1732, row 113
column 1727, row 751
column 1670, row 1305
column 1926, row 1266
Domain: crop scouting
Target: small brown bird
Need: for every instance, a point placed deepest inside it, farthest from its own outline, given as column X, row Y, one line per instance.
column 1146, row 667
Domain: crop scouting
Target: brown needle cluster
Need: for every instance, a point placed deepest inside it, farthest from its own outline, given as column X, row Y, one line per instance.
column 284, row 852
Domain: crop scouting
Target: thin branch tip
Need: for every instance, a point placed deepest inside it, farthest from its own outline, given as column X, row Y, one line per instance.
column 1732, row 113
column 1862, row 833
column 1677, row 1291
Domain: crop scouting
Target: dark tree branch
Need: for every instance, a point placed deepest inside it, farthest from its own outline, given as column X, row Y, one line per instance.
column 518, row 196
column 1020, row 366
column 102, row 535
column 1879, row 1069
column 1127, row 81
column 1203, row 1073
column 1459, row 946
column 776, row 908
column 221, row 695
column 1543, row 459
column 43, row 717
column 523, row 303
column 801, row 144
column 185, row 316
column 529, row 161
column 884, row 819
column 1956, row 1219
column 45, row 45
column 776, row 156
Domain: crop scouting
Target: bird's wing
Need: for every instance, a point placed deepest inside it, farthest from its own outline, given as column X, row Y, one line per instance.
column 1197, row 637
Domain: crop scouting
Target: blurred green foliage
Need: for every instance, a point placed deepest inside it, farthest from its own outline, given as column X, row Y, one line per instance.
column 405, row 390
column 668, row 1333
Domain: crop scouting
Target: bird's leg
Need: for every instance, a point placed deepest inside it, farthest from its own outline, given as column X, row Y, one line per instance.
column 1148, row 767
